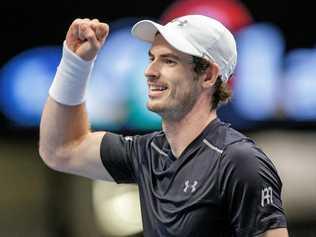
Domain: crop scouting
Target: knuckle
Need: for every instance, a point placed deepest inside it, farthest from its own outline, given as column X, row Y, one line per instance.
column 105, row 26
column 89, row 34
column 93, row 25
column 76, row 21
column 83, row 26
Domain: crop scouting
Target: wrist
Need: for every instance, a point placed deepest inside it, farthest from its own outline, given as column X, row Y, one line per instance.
column 71, row 78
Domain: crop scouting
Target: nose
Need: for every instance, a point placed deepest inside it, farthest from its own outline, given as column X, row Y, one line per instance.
column 152, row 70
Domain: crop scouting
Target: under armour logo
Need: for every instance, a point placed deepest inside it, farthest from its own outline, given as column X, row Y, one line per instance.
column 180, row 23
column 192, row 186
column 266, row 196
column 128, row 138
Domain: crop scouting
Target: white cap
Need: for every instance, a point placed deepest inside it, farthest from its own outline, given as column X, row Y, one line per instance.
column 196, row 35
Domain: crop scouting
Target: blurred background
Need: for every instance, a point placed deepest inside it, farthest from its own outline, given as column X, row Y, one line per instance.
column 274, row 103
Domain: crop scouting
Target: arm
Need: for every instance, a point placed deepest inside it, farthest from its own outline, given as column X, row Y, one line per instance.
column 281, row 232
column 66, row 142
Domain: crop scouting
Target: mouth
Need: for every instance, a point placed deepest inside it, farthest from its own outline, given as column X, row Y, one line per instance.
column 156, row 90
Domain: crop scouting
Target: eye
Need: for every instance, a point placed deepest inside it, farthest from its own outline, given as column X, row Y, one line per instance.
column 169, row 61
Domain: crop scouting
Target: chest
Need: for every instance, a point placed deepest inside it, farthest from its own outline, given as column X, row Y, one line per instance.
column 180, row 196
column 188, row 181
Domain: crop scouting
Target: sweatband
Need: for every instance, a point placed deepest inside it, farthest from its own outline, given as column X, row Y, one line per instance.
column 71, row 78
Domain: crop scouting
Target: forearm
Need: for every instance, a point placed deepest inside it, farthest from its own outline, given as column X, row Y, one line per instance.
column 61, row 126
column 279, row 232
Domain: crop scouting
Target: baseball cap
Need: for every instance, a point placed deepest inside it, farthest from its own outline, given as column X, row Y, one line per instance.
column 196, row 35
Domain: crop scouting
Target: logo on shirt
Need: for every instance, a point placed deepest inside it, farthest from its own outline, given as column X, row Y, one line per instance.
column 266, row 196
column 190, row 187
column 128, row 138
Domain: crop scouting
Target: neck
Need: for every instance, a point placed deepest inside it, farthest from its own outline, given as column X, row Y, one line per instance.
column 180, row 133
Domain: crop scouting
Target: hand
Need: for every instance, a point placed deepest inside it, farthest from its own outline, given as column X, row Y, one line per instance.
column 85, row 37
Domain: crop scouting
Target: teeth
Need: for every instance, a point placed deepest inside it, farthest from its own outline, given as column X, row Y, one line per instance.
column 157, row 88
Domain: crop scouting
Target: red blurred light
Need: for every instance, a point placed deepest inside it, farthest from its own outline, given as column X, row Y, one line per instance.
column 232, row 13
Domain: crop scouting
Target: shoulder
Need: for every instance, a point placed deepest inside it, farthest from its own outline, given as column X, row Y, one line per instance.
column 242, row 151
column 224, row 136
column 139, row 139
column 246, row 153
column 119, row 144
column 244, row 161
column 147, row 139
column 242, row 158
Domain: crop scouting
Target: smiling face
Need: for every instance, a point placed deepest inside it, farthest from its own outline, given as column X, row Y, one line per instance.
column 173, row 86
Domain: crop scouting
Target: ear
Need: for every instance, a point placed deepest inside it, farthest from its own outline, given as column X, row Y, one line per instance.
column 210, row 76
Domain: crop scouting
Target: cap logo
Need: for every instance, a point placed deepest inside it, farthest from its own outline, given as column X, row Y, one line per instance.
column 204, row 55
column 180, row 22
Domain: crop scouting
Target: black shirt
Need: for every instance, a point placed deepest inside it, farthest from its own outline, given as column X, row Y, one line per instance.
column 221, row 185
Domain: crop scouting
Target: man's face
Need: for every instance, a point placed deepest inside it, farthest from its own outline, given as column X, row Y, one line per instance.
column 173, row 86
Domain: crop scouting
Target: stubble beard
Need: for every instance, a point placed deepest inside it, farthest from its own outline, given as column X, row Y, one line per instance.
column 177, row 108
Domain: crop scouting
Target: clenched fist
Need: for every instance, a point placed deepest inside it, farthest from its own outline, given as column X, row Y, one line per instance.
column 85, row 37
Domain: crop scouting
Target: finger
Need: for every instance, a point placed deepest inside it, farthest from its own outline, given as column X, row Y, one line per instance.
column 73, row 33
column 95, row 20
column 75, row 27
column 75, row 24
column 94, row 24
column 85, row 21
column 83, row 27
column 87, row 34
column 102, row 31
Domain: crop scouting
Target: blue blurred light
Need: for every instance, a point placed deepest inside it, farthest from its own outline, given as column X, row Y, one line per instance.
column 299, row 97
column 24, row 82
column 258, row 71
column 117, row 92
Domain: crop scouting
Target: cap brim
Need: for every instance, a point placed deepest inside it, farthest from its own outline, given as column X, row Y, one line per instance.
column 146, row 30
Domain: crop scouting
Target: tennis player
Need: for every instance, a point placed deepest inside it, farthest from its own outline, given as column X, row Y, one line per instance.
column 198, row 176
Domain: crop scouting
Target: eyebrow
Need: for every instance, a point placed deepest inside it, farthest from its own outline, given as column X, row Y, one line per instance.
column 166, row 55
column 170, row 55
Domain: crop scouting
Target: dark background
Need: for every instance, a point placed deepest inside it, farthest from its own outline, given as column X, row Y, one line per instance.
column 34, row 23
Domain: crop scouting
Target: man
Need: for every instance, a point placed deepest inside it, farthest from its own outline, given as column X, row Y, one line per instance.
column 196, row 177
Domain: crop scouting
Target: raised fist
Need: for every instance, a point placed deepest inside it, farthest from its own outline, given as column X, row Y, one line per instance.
column 85, row 37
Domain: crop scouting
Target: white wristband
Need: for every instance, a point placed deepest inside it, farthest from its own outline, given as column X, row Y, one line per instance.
column 71, row 79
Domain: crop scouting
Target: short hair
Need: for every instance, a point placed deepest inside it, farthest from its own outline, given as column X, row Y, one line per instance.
column 222, row 92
